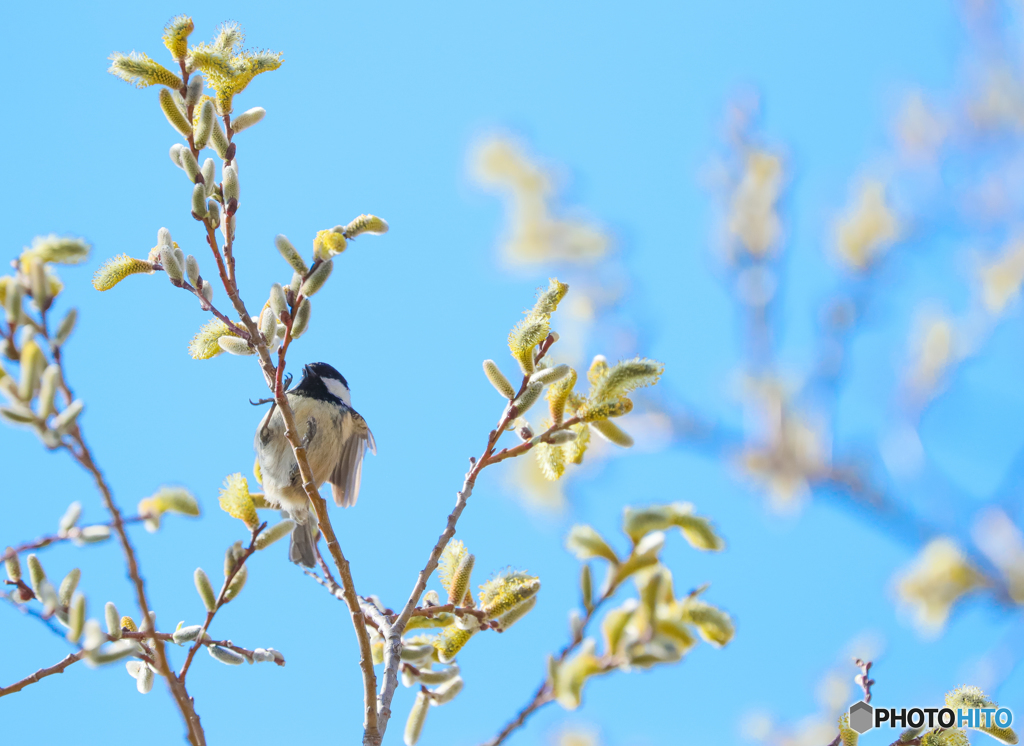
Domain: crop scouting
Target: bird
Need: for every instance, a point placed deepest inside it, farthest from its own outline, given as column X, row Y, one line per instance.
column 336, row 438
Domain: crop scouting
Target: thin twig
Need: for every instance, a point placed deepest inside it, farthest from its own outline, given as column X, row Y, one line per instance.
column 225, row 267
column 544, row 695
column 73, row 533
column 393, row 640
column 41, row 674
column 81, row 453
column 221, row 600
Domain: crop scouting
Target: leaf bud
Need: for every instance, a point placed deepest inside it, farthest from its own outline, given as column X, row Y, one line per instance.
column 447, row 691
column 175, row 272
column 32, row 364
column 202, row 581
column 498, row 380
column 199, row 202
column 230, row 183
column 144, row 681
column 218, row 140
column 175, row 153
column 225, row 655
column 205, row 125
column 49, row 382
column 272, row 534
column 370, row 224
column 561, row 437
column 66, row 326
column 192, row 270
column 284, row 246
column 190, row 165
column 613, row 433
column 12, row 565
column 550, row 375
column 186, row 634
column 12, row 304
column 417, row 717
column 301, row 322
column 528, row 398
column 113, row 621
column 93, row 534
column 236, row 584
column 68, row 586
column 40, row 285
column 268, row 324
column 36, row 574
column 278, row 302
column 194, row 90
column 235, row 345
column 173, row 113
column 587, row 588
column 247, row 119
column 213, row 213
column 76, row 617
column 317, row 278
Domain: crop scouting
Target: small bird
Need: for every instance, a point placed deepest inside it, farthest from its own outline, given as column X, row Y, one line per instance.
column 336, row 437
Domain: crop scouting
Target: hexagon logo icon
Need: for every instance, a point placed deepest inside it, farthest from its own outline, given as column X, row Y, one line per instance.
column 862, row 717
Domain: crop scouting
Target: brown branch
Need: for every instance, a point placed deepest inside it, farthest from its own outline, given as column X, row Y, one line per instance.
column 393, row 639
column 544, row 695
column 274, row 374
column 81, row 453
column 41, row 674
column 862, row 679
column 73, row 533
column 221, row 600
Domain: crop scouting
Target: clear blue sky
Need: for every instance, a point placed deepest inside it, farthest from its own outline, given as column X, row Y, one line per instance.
column 374, row 111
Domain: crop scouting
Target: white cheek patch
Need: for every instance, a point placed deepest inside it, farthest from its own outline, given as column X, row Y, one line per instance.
column 338, row 389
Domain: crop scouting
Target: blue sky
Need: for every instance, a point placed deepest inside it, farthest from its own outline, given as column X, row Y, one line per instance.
column 374, row 111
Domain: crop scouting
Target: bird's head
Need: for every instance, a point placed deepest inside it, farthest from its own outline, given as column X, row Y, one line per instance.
column 321, row 381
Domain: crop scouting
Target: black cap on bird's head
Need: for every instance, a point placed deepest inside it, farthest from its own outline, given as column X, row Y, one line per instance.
column 322, row 381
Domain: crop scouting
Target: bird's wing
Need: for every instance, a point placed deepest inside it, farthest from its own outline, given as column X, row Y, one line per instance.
column 349, row 469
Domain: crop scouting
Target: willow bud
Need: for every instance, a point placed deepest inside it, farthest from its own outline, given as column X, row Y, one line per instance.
column 528, row 398
column 301, row 322
column 173, row 113
column 225, row 655
column 218, row 139
column 199, row 202
column 194, row 90
column 113, row 620
column 247, row 119
column 498, row 380
column 66, row 326
column 317, row 278
column 417, row 717
column 278, row 302
column 48, row 385
column 272, row 534
column 40, row 284
column 205, row 589
column 230, row 185
column 192, row 270
column 169, row 260
column 284, row 246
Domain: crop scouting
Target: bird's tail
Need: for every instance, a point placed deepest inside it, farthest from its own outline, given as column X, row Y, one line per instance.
column 301, row 551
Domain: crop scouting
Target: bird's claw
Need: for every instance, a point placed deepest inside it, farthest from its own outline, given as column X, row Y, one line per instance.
column 310, row 432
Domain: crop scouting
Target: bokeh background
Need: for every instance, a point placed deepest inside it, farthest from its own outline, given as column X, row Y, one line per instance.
column 808, row 211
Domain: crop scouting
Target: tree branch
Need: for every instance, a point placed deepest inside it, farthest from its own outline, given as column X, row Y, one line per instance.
column 221, row 600
column 73, row 533
column 41, row 674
